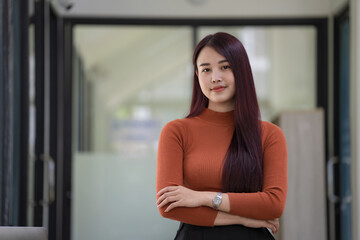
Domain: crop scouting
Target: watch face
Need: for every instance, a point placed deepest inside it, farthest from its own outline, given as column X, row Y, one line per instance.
column 217, row 200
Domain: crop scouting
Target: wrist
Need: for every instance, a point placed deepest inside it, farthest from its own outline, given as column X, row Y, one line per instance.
column 223, row 218
column 207, row 199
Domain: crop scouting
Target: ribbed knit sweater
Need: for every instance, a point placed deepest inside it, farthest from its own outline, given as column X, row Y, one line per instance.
column 191, row 153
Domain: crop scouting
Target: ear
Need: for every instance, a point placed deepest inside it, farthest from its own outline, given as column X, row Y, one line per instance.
column 197, row 73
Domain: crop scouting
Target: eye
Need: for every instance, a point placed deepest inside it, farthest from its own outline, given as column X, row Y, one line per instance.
column 226, row 67
column 206, row 70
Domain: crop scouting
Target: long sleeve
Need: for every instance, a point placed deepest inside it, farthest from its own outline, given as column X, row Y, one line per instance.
column 270, row 202
column 170, row 172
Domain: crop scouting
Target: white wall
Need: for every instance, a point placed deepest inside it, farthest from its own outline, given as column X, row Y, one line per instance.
column 199, row 8
column 338, row 5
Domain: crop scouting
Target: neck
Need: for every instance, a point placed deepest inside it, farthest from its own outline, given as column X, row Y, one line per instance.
column 222, row 118
column 221, row 107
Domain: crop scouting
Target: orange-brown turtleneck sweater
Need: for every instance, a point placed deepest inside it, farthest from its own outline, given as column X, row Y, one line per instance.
column 191, row 153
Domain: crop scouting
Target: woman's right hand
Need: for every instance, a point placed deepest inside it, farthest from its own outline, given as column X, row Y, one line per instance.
column 254, row 223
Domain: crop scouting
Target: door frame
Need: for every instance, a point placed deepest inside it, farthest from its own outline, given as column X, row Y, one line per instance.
column 61, row 214
column 58, row 96
column 343, row 15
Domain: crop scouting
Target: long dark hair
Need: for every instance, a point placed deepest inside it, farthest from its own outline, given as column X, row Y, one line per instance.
column 243, row 163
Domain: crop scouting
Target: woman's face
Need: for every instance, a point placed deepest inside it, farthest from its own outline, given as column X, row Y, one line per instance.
column 216, row 80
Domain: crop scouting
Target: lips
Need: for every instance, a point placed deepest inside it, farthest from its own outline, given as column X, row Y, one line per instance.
column 218, row 88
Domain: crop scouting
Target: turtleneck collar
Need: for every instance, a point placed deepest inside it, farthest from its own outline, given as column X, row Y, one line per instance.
column 223, row 118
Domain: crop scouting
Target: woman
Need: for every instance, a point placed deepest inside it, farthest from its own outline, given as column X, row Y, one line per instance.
column 222, row 172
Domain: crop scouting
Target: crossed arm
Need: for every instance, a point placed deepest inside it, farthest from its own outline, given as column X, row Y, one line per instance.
column 179, row 196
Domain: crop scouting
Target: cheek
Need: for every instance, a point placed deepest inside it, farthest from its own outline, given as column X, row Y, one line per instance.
column 231, row 78
column 204, row 87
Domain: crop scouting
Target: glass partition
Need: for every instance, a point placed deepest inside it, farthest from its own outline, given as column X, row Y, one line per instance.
column 128, row 82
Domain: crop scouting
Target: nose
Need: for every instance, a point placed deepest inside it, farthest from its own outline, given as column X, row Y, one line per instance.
column 216, row 76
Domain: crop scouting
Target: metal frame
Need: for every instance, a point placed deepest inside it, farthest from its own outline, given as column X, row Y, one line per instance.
column 335, row 218
column 14, row 112
column 6, row 107
column 39, row 103
column 24, row 112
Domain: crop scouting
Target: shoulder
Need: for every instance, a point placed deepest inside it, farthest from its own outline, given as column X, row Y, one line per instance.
column 268, row 127
column 271, row 133
column 175, row 127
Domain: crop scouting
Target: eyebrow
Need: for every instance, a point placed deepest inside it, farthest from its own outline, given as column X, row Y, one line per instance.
column 207, row 64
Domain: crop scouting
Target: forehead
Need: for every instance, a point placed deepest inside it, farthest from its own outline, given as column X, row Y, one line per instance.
column 209, row 55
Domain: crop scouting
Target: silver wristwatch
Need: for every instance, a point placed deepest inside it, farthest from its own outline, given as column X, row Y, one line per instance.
column 217, row 200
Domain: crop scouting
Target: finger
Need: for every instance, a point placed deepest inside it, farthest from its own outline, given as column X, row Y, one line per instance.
column 273, row 222
column 275, row 229
column 276, row 220
column 162, row 191
column 276, row 224
column 165, row 195
column 167, row 189
column 172, row 206
column 167, row 200
column 271, row 226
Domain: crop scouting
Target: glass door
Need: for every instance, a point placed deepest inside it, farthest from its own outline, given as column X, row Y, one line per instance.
column 127, row 83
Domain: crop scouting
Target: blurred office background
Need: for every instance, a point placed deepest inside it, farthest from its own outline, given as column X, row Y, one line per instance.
column 86, row 87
